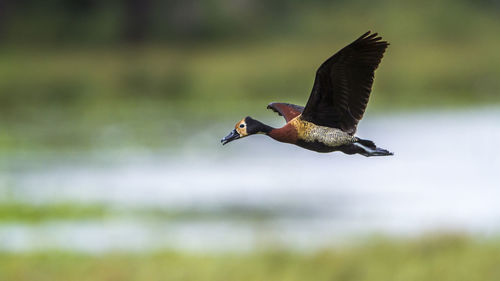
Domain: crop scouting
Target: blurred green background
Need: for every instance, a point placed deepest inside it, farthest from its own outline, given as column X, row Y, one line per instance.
column 87, row 75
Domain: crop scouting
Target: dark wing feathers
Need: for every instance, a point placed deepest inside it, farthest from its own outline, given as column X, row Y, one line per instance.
column 287, row 110
column 343, row 84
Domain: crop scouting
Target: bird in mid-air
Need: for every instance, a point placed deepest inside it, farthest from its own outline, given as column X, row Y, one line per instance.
column 337, row 102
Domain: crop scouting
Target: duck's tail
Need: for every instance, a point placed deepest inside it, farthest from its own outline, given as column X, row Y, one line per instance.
column 368, row 148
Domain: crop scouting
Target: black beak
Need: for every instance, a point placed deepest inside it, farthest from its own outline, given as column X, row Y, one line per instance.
column 231, row 137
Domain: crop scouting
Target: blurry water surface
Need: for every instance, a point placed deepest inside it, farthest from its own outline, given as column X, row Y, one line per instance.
column 444, row 176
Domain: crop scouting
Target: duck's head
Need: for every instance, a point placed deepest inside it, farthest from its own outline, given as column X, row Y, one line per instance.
column 246, row 127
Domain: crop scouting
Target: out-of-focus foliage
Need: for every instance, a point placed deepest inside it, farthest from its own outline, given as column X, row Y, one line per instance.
column 23, row 212
column 150, row 73
column 99, row 22
column 432, row 258
column 16, row 212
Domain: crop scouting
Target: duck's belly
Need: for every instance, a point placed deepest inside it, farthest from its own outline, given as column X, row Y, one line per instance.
column 317, row 146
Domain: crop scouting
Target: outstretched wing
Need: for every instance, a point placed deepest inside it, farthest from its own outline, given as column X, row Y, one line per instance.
column 343, row 84
column 287, row 110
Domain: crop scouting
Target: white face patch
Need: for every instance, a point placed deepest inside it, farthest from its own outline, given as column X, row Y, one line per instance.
column 241, row 128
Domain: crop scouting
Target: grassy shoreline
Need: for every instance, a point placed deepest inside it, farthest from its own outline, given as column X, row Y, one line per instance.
column 71, row 211
column 451, row 257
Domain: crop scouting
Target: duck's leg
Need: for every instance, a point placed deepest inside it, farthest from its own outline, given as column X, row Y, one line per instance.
column 365, row 151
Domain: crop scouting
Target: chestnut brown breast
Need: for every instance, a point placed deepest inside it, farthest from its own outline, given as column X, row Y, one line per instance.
column 287, row 133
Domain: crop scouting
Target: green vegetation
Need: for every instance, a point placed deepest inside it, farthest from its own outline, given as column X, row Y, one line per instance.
column 431, row 258
column 34, row 213
column 23, row 212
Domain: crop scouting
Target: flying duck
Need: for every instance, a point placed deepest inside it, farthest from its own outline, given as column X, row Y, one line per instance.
column 337, row 102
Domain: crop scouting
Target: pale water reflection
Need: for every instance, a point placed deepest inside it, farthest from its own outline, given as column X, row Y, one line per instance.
column 444, row 177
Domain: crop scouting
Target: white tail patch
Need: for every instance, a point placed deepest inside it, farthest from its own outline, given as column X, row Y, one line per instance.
column 367, row 149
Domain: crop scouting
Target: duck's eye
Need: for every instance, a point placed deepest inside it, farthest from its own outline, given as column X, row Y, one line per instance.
column 242, row 125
